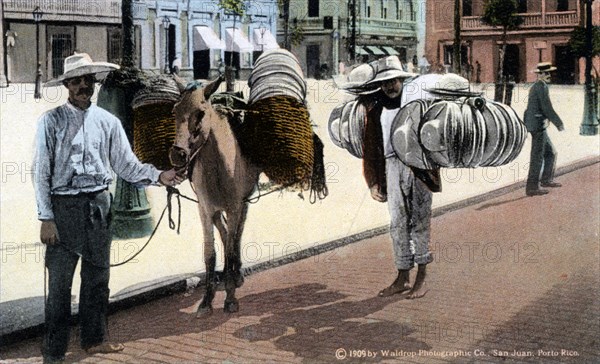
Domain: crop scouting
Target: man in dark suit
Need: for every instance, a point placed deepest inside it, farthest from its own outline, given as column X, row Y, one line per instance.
column 543, row 155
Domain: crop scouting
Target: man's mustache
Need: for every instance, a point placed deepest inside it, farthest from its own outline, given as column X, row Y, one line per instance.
column 84, row 91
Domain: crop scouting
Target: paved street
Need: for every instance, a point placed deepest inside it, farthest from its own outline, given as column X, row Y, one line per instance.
column 514, row 279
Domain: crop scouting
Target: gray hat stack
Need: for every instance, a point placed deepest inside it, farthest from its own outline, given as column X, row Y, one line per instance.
column 276, row 73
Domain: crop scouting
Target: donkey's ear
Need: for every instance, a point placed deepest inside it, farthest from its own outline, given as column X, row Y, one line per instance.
column 181, row 84
column 212, row 87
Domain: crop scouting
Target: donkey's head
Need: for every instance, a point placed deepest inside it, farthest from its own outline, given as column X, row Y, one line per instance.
column 194, row 117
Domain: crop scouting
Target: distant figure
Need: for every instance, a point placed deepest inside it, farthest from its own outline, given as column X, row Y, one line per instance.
column 342, row 68
column 176, row 65
column 424, row 65
column 478, row 72
column 539, row 111
column 324, row 71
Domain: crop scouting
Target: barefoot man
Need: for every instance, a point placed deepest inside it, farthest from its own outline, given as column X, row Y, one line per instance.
column 407, row 190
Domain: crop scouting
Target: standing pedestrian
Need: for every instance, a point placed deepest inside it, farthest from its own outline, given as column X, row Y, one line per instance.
column 543, row 154
column 407, row 190
column 176, row 65
column 423, row 65
column 78, row 144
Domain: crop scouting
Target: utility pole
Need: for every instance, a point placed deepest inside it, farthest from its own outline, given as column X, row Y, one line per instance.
column 589, row 125
column 353, row 31
column 128, row 34
column 456, row 49
column 3, row 80
column 130, row 209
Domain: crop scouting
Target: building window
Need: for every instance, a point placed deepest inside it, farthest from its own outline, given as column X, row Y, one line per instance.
column 385, row 13
column 562, row 5
column 368, row 11
column 467, row 8
column 522, row 6
column 62, row 47
column 313, row 8
column 115, row 45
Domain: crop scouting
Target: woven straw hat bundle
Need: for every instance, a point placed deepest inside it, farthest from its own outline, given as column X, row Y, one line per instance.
column 276, row 134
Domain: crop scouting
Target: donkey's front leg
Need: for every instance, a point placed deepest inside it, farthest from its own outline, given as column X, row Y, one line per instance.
column 210, row 261
column 233, row 261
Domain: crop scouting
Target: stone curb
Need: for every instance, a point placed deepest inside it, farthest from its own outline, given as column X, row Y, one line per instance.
column 177, row 284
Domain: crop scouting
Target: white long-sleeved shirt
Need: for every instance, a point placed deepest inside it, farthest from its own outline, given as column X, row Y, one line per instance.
column 76, row 151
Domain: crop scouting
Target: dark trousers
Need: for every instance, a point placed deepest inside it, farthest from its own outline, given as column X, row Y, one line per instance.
column 83, row 223
column 543, row 156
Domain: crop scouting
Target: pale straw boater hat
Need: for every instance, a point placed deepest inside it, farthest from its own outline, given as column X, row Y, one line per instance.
column 544, row 67
column 81, row 64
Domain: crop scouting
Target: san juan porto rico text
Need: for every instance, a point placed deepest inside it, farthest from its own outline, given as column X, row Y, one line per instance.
column 532, row 353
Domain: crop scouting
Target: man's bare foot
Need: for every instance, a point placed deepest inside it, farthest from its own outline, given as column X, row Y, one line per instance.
column 419, row 289
column 401, row 284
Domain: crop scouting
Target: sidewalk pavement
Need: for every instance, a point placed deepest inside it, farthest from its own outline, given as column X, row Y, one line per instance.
column 514, row 279
column 278, row 226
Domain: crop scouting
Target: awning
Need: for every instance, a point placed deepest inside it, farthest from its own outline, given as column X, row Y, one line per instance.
column 375, row 51
column 205, row 38
column 263, row 40
column 390, row 51
column 240, row 41
column 361, row 51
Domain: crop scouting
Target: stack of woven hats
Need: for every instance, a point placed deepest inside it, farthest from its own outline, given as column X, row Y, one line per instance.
column 154, row 125
column 276, row 133
column 457, row 128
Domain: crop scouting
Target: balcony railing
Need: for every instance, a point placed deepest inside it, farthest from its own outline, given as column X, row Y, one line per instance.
column 370, row 26
column 530, row 20
column 65, row 10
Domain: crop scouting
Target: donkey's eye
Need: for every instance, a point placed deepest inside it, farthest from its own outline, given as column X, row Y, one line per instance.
column 195, row 121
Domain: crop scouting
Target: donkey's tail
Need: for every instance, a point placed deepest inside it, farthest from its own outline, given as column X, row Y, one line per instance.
column 318, row 183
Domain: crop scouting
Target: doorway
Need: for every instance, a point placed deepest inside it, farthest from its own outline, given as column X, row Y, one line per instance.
column 313, row 60
column 512, row 63
column 566, row 64
column 201, row 64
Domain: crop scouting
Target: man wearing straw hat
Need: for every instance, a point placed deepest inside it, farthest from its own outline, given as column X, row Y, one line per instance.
column 407, row 190
column 77, row 146
column 543, row 155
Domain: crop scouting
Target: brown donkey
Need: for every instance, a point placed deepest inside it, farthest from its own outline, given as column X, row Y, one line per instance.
column 222, row 179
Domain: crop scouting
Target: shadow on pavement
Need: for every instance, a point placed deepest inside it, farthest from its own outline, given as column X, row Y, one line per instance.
column 494, row 204
column 315, row 323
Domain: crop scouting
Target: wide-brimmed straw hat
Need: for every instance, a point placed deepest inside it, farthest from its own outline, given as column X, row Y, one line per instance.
column 545, row 67
column 358, row 79
column 81, row 64
column 388, row 68
column 452, row 84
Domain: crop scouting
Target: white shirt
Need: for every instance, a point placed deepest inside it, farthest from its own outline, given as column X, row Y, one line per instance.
column 386, row 119
column 76, row 151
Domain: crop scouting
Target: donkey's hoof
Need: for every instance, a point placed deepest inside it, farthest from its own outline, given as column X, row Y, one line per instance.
column 231, row 306
column 204, row 311
column 239, row 280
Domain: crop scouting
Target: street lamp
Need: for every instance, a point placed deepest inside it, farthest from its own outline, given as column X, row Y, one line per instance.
column 589, row 125
column 37, row 17
column 166, row 23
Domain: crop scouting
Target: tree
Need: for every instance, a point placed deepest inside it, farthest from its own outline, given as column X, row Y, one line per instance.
column 504, row 14
column 577, row 42
column 236, row 8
